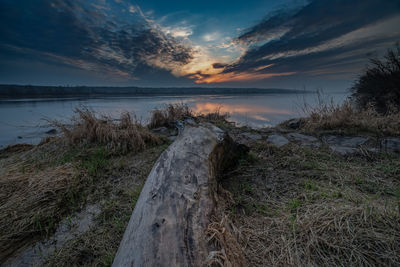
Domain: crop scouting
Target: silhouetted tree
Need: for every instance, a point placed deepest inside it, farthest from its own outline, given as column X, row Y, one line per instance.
column 380, row 83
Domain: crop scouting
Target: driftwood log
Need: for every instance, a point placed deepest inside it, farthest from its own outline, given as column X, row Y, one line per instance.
column 167, row 226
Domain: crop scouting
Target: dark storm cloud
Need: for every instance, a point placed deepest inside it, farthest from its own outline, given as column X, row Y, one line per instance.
column 322, row 37
column 219, row 66
column 107, row 37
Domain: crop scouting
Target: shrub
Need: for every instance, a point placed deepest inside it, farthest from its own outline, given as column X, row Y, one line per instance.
column 380, row 83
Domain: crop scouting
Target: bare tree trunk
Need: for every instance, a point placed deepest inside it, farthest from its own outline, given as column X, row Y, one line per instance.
column 167, row 226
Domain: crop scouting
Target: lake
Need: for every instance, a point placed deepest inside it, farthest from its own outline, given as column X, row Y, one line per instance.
column 22, row 120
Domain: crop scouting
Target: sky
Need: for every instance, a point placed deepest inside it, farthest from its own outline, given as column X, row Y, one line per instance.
column 312, row 44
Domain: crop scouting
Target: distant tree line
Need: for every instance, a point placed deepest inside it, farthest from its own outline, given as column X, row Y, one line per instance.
column 19, row 91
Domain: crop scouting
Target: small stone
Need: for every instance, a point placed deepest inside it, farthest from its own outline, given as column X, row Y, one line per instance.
column 252, row 136
column 277, row 140
column 302, row 138
column 391, row 144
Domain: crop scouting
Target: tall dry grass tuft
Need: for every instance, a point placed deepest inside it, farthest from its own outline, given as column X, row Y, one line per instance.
column 331, row 116
column 123, row 135
column 173, row 112
column 169, row 114
column 215, row 116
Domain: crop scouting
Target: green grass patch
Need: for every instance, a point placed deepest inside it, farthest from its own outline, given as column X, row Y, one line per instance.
column 96, row 162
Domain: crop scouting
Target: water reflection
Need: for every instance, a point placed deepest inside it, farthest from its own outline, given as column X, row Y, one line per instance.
column 255, row 115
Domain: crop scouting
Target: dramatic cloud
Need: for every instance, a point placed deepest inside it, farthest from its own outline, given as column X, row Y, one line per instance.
column 109, row 38
column 116, row 41
column 320, row 38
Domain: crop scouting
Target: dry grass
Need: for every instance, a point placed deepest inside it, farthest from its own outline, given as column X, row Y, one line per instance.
column 223, row 235
column 345, row 117
column 41, row 185
column 31, row 205
column 169, row 114
column 179, row 112
column 215, row 116
column 32, row 199
column 123, row 136
column 300, row 207
column 118, row 192
column 325, row 234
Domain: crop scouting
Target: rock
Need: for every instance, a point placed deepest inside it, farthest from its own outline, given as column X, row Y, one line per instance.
column 190, row 121
column 373, row 149
column 161, row 131
column 345, row 141
column 252, row 136
column 277, row 140
column 294, row 123
column 343, row 150
column 51, row 131
column 245, row 138
column 302, row 138
column 305, row 140
column 19, row 137
column 345, row 145
column 311, row 145
column 391, row 144
column 268, row 129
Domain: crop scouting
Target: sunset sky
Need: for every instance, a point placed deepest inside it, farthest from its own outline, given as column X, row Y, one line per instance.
column 252, row 43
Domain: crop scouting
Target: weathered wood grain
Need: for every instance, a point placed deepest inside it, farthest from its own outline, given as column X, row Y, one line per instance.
column 167, row 226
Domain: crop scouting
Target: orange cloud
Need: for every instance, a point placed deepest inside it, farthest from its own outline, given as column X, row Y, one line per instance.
column 263, row 67
column 236, row 77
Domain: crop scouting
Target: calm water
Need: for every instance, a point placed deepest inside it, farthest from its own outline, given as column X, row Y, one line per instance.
column 21, row 120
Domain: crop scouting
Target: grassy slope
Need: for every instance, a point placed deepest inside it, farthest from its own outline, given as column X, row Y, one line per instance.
column 302, row 207
column 42, row 185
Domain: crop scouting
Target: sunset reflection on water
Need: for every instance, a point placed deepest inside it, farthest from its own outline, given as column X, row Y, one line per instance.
column 247, row 114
